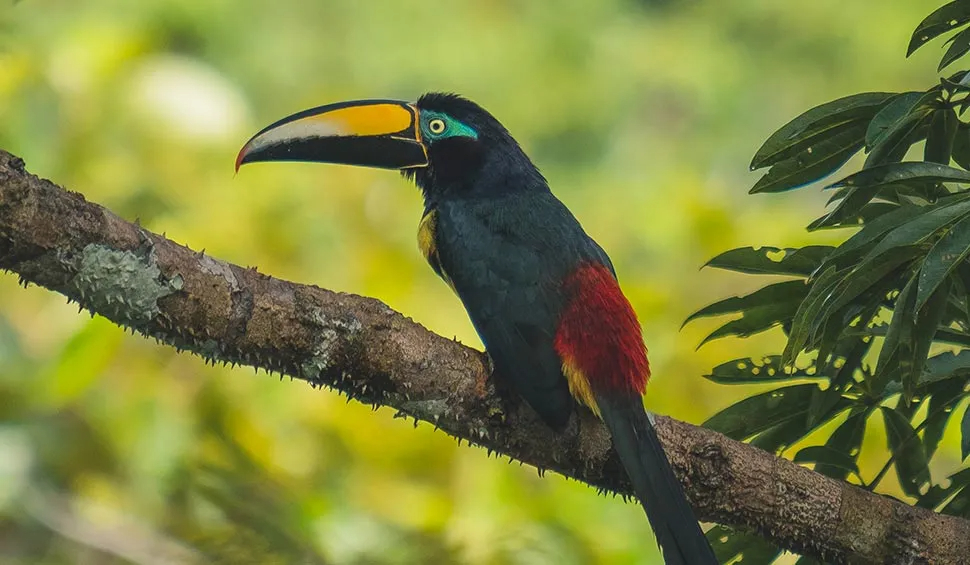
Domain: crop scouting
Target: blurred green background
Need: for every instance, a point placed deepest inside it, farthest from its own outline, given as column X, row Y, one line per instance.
column 642, row 114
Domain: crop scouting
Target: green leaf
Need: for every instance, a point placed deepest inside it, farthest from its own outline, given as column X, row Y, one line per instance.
column 729, row 544
column 965, row 433
column 899, row 173
column 755, row 320
column 758, row 551
column 959, row 46
column 826, row 405
column 813, row 162
column 772, row 260
column 962, row 280
column 959, row 505
column 780, row 437
column 799, row 145
column 939, row 139
column 874, row 210
column 894, row 144
column 920, row 193
column 787, row 291
column 817, row 123
column 856, row 204
column 763, row 411
column 946, row 365
column 942, row 259
column 848, row 210
column 761, row 310
column 952, row 336
column 927, row 322
column 799, row 333
column 800, row 330
column 850, row 349
column 748, row 370
column 856, row 209
column 956, row 83
column 937, row 493
column 859, row 280
column 825, row 455
column 947, row 17
column 839, row 194
column 919, row 229
column 956, row 312
column 890, row 115
column 900, row 327
column 849, row 214
column 873, row 230
column 961, row 145
column 910, row 458
column 847, row 441
column 943, row 399
column 900, row 124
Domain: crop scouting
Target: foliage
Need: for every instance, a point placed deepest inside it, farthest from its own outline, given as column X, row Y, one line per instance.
column 880, row 324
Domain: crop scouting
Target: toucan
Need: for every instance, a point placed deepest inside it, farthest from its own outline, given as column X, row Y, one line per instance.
column 542, row 295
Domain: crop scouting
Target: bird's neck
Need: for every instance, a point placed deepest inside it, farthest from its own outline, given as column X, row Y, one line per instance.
column 493, row 179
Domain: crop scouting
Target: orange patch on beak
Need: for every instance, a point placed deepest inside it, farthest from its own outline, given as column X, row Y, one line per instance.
column 377, row 119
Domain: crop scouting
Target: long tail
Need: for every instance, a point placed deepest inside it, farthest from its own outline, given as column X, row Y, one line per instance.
column 661, row 495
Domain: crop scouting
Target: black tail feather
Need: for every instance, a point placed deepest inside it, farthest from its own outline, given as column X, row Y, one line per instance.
column 660, row 493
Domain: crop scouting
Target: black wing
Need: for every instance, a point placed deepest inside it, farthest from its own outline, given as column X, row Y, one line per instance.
column 506, row 259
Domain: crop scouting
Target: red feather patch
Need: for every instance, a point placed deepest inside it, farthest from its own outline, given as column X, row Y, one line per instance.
column 599, row 335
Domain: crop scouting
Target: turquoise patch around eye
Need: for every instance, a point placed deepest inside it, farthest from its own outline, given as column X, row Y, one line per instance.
column 453, row 128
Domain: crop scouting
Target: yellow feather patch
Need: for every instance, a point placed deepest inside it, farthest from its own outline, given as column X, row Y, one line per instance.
column 579, row 385
column 426, row 237
column 429, row 247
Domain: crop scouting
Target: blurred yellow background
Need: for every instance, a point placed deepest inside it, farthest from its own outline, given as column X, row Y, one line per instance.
column 643, row 115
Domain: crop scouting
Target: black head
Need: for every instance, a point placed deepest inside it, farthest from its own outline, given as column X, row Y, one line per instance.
column 450, row 146
column 470, row 153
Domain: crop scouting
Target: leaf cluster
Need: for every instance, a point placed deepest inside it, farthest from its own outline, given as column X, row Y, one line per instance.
column 878, row 328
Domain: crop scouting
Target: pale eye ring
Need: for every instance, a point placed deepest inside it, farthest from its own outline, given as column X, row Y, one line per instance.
column 436, row 126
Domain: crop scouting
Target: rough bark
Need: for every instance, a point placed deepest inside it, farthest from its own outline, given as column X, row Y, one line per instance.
column 362, row 348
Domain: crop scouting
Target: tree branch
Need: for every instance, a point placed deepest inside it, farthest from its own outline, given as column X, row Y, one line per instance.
column 360, row 347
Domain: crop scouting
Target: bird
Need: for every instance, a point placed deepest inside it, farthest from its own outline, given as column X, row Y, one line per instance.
column 542, row 295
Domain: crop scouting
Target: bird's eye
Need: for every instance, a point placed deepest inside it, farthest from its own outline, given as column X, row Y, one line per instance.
column 436, row 126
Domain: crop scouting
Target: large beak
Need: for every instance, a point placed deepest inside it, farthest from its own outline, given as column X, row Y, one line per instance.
column 369, row 133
